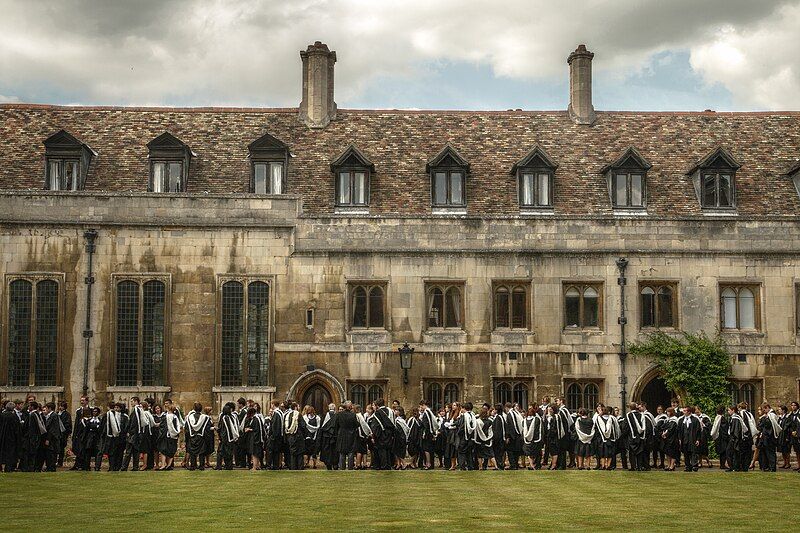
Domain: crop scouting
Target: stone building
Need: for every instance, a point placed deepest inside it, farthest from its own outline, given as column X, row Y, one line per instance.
column 212, row 253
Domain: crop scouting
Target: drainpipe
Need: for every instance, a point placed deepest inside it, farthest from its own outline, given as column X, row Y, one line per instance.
column 622, row 264
column 91, row 237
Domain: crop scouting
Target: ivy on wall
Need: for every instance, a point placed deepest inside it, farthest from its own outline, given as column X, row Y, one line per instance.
column 693, row 365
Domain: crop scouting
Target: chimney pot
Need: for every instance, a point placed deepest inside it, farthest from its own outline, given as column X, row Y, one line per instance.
column 580, row 107
column 317, row 107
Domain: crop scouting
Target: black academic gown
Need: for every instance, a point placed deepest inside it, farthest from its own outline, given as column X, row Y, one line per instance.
column 10, row 436
column 690, row 435
column 326, row 437
column 346, row 426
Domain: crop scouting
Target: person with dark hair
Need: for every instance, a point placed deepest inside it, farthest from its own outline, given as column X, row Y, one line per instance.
column 500, row 437
column 169, row 431
column 384, row 433
column 636, row 437
column 668, row 435
column 584, row 430
column 197, row 426
column 658, row 442
column 429, row 432
column 346, row 428
column 114, row 425
column 90, row 439
column 752, row 425
column 784, row 447
column 253, row 438
column 689, row 435
column 705, row 435
column 794, row 431
column 533, row 438
column 276, row 435
column 294, row 430
column 738, row 443
column 76, row 439
column 563, row 427
column 770, row 431
column 52, row 437
column 10, row 438
column 465, row 426
column 326, row 439
column 239, row 449
column 66, row 421
column 132, row 436
column 514, row 433
column 228, row 432
column 400, row 448
column 719, row 434
column 483, row 441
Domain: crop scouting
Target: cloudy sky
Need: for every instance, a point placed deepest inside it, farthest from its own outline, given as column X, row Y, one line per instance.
column 429, row 54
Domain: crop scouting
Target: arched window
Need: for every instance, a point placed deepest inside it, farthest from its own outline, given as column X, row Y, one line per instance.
column 366, row 306
column 359, row 307
column 374, row 392
column 739, row 307
column 376, row 307
column 511, row 306
column 358, row 394
column 451, row 393
column 521, row 395
column 245, row 325
column 648, row 307
column 445, row 306
column 20, row 313
column 574, row 396
column 584, row 394
column 591, row 396
column 502, row 392
column 257, row 333
column 232, row 340
column 582, row 306
column 435, row 396
column 502, row 305
column 127, row 337
column 153, row 332
column 746, row 391
column 657, row 305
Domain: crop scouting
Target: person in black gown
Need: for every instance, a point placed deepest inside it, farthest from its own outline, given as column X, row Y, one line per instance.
column 346, row 427
column 689, row 435
column 197, row 426
column 326, row 436
column 10, row 438
column 169, row 431
column 669, row 439
column 719, row 434
column 252, row 438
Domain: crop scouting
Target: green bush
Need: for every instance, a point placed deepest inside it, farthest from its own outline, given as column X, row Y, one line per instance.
column 693, row 365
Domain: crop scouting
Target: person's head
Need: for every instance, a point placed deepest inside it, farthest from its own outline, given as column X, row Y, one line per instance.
column 357, row 408
column 62, row 406
column 30, row 398
column 399, row 411
column 582, row 412
column 379, row 402
column 207, row 409
column 49, row 407
column 782, row 409
column 742, row 406
column 670, row 411
column 608, row 410
column 732, row 410
column 507, row 407
column 157, row 409
column 257, row 407
column 660, row 409
column 118, row 407
column 241, row 402
column 442, row 412
column 765, row 408
column 134, row 400
column 546, row 400
column 795, row 406
column 95, row 411
column 395, row 403
column 33, row 406
column 251, row 412
column 414, row 412
column 484, row 413
column 276, row 404
column 198, row 407
column 558, row 401
column 633, row 406
column 170, row 408
column 9, row 406
column 348, row 405
column 720, row 410
column 468, row 406
column 550, row 410
column 18, row 405
column 687, row 411
column 675, row 403
column 226, row 409
column 146, row 405
column 531, row 411
column 697, row 410
column 600, row 408
column 167, row 403
column 86, row 412
column 370, row 409
column 84, row 401
column 498, row 408
column 331, row 407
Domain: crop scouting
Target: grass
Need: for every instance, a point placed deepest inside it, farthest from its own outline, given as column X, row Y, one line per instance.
column 368, row 501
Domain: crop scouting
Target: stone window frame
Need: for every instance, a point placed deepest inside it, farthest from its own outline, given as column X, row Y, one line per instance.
column 444, row 286
column 382, row 383
column 717, row 162
column 582, row 285
column 583, row 383
column 443, row 383
column 368, row 285
column 439, row 163
column 656, row 286
column 167, row 148
column 511, row 285
column 245, row 279
column 351, row 162
column 513, row 382
column 756, row 288
column 267, row 150
column 63, row 147
column 630, row 163
column 140, row 278
column 739, row 383
column 536, row 162
column 34, row 278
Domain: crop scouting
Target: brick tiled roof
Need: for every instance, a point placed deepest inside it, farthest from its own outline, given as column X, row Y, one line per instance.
column 400, row 143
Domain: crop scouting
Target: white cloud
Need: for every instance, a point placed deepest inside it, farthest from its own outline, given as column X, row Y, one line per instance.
column 246, row 53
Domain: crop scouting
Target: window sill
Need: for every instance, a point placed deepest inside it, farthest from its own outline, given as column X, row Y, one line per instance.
column 512, row 337
column 583, row 331
column 355, row 210
column 368, row 336
column 228, row 390
column 532, row 211
column 662, row 329
column 744, row 333
column 139, row 389
column 459, row 210
column 43, row 390
column 630, row 212
column 445, row 336
column 720, row 212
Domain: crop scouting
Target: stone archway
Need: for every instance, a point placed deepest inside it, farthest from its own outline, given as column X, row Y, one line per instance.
column 317, row 388
column 652, row 390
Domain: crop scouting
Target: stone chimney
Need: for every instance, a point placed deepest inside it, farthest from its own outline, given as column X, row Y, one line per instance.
column 317, row 108
column 580, row 107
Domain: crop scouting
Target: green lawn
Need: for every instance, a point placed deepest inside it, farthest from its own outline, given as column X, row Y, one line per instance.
column 359, row 501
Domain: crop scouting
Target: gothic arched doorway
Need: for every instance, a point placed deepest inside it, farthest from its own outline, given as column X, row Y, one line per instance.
column 656, row 393
column 318, row 397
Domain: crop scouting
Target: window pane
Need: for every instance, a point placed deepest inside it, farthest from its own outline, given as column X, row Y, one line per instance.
column 747, row 393
column 526, row 189
column 374, row 392
column 344, row 188
column 55, row 175
column 359, row 188
column 747, row 309
column 46, row 349
column 729, row 308
column 358, row 394
column 456, row 188
column 376, row 307
column 574, row 397
column 572, row 307
column 451, row 393
column 501, row 303
column 232, row 333
column 127, row 333
column 543, row 190
column 503, row 393
column 159, row 172
column 636, row 190
column 359, row 307
column 521, row 395
column 647, row 303
column 453, row 311
column 175, row 177
column 257, row 333
column 436, row 308
column 725, row 196
column 590, row 307
column 519, row 309
column 665, row 318
column 621, row 190
column 20, row 295
column 260, row 178
column 710, row 190
column 440, row 188
column 435, row 396
column 71, row 175
column 153, row 333
column 276, row 178
column 591, row 396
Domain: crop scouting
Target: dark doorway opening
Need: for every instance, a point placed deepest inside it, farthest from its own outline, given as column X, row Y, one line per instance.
column 318, row 397
column 656, row 393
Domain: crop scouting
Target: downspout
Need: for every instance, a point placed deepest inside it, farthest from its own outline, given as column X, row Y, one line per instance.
column 91, row 237
column 622, row 264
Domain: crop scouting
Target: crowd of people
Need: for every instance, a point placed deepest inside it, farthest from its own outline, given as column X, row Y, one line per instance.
column 146, row 436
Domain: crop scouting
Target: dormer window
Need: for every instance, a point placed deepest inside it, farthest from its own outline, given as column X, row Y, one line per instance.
column 352, row 171
column 67, row 162
column 534, row 174
column 794, row 175
column 169, row 164
column 713, row 178
column 448, row 172
column 269, row 160
column 626, row 179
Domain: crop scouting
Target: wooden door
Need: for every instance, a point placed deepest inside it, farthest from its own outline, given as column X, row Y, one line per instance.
column 318, row 397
